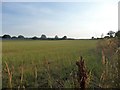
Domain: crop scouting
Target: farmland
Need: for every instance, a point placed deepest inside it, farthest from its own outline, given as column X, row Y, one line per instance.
column 37, row 63
column 49, row 45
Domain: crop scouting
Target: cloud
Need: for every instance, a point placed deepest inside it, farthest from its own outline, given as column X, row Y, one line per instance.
column 79, row 20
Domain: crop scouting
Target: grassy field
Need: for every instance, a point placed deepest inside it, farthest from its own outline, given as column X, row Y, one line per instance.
column 60, row 55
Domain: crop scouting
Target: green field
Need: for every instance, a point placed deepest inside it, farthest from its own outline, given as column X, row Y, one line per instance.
column 60, row 54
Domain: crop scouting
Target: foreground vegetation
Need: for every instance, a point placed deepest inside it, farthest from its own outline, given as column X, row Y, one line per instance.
column 52, row 64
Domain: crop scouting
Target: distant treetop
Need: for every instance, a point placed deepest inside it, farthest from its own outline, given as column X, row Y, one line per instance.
column 43, row 36
column 56, row 37
column 21, row 37
column 64, row 37
column 111, row 33
column 6, row 36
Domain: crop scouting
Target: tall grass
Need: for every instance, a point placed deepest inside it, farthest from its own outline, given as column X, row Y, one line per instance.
column 49, row 63
column 110, row 52
column 10, row 74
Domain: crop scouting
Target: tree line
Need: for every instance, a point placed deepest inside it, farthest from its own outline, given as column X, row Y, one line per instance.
column 42, row 37
column 110, row 34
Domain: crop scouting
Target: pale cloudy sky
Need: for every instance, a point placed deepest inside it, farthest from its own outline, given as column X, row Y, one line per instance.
column 82, row 19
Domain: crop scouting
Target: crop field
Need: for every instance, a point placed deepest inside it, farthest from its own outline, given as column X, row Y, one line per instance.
column 59, row 45
column 37, row 63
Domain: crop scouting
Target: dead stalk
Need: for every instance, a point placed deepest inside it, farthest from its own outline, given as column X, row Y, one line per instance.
column 21, row 78
column 48, row 72
column 9, row 74
column 36, row 73
column 103, row 57
column 21, row 75
column 82, row 73
column 36, row 76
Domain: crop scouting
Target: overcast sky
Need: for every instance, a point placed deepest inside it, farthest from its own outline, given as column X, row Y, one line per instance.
column 74, row 19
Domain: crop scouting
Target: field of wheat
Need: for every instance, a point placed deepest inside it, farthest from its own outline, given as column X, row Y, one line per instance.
column 51, row 64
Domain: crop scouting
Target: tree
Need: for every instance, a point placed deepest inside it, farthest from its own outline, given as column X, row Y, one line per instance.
column 43, row 37
column 14, row 37
column 64, row 37
column 20, row 37
column 92, row 38
column 117, row 34
column 34, row 38
column 6, row 36
column 56, row 37
column 111, row 33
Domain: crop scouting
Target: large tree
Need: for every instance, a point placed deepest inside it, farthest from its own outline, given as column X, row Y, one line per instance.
column 34, row 38
column 14, row 37
column 92, row 38
column 64, row 37
column 20, row 37
column 56, row 37
column 43, row 36
column 111, row 33
column 117, row 34
column 6, row 36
